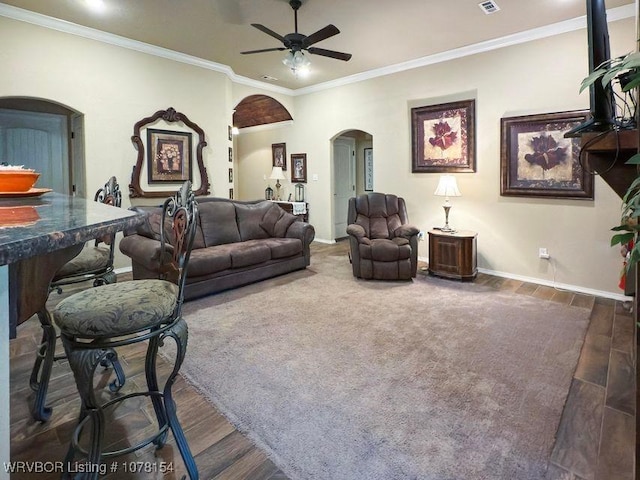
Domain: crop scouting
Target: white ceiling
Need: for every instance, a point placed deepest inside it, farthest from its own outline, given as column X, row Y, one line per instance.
column 378, row 33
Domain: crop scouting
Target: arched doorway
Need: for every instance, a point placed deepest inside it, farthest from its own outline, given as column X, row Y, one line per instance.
column 47, row 137
column 348, row 157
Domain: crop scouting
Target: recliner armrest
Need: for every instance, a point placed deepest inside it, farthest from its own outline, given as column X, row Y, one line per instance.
column 407, row 230
column 358, row 233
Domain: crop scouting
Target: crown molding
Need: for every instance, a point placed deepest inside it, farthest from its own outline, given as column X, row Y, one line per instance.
column 579, row 23
column 27, row 16
column 613, row 15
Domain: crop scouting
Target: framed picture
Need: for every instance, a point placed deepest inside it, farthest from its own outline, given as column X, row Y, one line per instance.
column 537, row 161
column 231, row 194
column 299, row 167
column 279, row 154
column 169, row 157
column 443, row 138
column 231, row 154
column 231, row 175
column 368, row 169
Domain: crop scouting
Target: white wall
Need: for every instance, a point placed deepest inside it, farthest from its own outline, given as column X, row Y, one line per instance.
column 541, row 76
column 114, row 88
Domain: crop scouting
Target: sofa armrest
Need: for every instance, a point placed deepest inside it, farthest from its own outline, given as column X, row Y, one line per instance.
column 407, row 230
column 144, row 251
column 302, row 230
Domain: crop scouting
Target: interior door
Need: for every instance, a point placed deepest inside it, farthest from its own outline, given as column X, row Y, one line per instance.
column 39, row 141
column 344, row 182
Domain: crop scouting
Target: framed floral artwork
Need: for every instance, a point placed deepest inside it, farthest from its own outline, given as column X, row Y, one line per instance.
column 299, row 167
column 169, row 156
column 279, row 155
column 536, row 160
column 443, row 138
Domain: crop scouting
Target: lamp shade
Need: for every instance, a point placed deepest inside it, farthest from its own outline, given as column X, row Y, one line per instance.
column 447, row 187
column 277, row 174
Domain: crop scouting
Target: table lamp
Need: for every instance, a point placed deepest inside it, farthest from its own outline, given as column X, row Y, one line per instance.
column 277, row 175
column 447, row 187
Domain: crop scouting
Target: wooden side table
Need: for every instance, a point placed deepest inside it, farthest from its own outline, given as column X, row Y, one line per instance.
column 453, row 255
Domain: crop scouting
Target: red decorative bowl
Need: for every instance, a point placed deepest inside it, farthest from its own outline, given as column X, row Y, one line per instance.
column 17, row 180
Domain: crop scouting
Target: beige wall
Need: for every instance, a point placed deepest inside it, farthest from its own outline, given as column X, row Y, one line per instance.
column 537, row 77
column 114, row 88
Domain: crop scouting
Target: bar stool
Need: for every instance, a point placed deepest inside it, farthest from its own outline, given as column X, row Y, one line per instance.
column 97, row 320
column 94, row 262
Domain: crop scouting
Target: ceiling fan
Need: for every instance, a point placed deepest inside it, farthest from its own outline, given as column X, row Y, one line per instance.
column 296, row 43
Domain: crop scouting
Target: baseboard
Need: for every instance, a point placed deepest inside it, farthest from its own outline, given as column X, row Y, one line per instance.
column 322, row 240
column 549, row 283
column 122, row 270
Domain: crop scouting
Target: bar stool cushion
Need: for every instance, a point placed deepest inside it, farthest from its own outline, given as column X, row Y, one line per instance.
column 89, row 259
column 116, row 309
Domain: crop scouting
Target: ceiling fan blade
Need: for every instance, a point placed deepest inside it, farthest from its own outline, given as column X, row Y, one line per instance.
column 268, row 31
column 322, row 34
column 278, row 49
column 330, row 53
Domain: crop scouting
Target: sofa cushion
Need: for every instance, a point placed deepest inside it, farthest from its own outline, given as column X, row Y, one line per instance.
column 205, row 261
column 249, row 253
column 284, row 247
column 249, row 217
column 218, row 222
column 276, row 221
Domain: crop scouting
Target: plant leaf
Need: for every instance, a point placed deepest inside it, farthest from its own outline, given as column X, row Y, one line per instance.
column 622, row 238
column 634, row 160
column 632, row 84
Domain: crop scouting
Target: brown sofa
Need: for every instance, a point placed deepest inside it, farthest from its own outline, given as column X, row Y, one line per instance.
column 236, row 243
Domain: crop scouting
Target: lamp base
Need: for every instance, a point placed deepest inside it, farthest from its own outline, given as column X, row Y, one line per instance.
column 447, row 228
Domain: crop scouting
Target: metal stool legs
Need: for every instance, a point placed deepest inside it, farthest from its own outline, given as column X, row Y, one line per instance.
column 84, row 360
column 41, row 372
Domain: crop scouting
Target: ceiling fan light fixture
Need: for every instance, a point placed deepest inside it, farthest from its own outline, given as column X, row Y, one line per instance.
column 297, row 62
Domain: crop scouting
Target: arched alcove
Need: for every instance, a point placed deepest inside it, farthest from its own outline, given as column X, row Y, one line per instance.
column 47, row 136
column 259, row 110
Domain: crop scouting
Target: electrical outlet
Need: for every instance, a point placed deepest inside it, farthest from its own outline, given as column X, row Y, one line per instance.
column 543, row 253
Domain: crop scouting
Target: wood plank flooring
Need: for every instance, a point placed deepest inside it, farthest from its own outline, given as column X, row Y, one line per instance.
column 596, row 433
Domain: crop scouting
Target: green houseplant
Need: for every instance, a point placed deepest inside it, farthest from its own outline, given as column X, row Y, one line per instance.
column 621, row 75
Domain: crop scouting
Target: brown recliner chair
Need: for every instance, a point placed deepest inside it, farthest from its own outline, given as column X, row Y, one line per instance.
column 384, row 246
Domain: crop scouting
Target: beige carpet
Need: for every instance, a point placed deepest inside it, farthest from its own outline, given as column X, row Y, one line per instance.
column 338, row 378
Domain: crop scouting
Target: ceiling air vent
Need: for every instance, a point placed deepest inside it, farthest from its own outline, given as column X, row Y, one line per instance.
column 489, row 7
column 269, row 78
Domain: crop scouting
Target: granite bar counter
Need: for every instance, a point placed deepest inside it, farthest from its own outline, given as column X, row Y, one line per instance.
column 39, row 235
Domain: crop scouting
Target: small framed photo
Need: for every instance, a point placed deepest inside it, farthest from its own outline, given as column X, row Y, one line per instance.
column 443, row 138
column 537, row 161
column 299, row 167
column 231, row 154
column 231, row 194
column 169, row 156
column 231, row 175
column 230, row 132
column 368, row 169
column 279, row 155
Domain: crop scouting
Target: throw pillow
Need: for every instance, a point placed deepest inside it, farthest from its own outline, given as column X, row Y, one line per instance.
column 270, row 218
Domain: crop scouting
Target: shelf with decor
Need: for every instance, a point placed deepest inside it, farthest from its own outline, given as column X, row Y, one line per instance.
column 300, row 209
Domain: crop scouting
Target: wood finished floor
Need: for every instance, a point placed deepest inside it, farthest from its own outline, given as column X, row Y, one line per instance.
column 596, row 438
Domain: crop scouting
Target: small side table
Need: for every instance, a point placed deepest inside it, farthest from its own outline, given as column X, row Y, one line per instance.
column 453, row 255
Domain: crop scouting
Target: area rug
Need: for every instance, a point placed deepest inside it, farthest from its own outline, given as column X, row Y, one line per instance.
column 339, row 378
